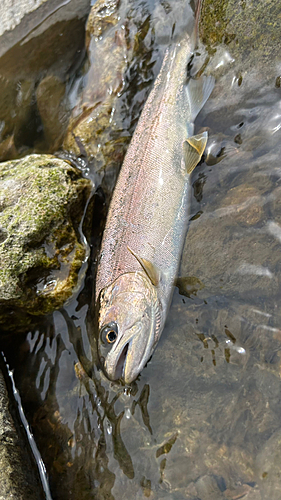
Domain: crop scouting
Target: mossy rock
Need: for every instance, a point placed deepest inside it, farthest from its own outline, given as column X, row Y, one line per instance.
column 249, row 30
column 42, row 200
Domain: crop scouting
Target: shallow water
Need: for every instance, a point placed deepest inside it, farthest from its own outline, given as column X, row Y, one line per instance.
column 203, row 419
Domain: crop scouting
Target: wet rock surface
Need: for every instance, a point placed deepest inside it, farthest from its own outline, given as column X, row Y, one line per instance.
column 19, row 478
column 90, row 133
column 41, row 253
column 11, row 17
column 27, row 17
column 100, row 128
column 46, row 44
column 52, row 105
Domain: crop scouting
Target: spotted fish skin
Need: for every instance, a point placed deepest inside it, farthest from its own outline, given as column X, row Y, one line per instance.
column 148, row 214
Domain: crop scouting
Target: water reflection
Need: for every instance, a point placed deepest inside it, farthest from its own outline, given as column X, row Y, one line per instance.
column 192, row 422
column 79, row 416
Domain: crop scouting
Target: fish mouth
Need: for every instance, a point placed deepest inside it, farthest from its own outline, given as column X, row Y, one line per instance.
column 128, row 357
column 123, row 368
column 121, row 363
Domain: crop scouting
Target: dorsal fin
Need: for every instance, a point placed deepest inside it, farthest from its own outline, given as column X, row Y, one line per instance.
column 149, row 268
column 193, row 148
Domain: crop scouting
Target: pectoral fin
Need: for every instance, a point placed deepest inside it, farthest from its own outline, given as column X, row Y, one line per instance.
column 152, row 272
column 193, row 148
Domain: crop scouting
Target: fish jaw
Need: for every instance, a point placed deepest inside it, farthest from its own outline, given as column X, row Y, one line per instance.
column 127, row 362
column 132, row 306
column 128, row 359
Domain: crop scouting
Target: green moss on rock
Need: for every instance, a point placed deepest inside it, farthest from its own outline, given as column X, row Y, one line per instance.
column 250, row 29
column 42, row 200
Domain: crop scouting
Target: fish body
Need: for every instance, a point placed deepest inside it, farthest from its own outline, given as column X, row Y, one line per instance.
column 147, row 219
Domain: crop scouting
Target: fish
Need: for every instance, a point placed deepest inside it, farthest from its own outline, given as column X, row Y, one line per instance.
column 148, row 218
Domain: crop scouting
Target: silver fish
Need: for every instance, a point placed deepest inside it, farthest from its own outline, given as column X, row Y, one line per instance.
column 147, row 219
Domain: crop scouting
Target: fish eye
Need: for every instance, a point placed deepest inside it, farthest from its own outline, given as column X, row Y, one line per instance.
column 109, row 333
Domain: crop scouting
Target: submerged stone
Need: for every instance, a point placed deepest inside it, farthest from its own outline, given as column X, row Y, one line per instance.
column 52, row 106
column 207, row 488
column 249, row 30
column 94, row 131
column 268, row 467
column 42, row 200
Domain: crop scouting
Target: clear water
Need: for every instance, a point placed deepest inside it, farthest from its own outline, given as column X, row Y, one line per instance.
column 203, row 419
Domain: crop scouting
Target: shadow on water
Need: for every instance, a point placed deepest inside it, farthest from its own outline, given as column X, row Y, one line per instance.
column 203, row 419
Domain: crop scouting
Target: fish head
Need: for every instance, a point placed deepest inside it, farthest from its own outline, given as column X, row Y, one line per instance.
column 129, row 325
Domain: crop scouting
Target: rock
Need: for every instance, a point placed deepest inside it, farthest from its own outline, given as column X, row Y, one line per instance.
column 218, row 255
column 40, row 40
column 103, row 14
column 248, row 31
column 42, row 201
column 268, row 468
column 19, row 479
column 94, row 131
column 245, row 492
column 51, row 102
column 7, row 149
column 30, row 17
column 207, row 489
column 244, row 203
column 17, row 111
column 11, row 17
